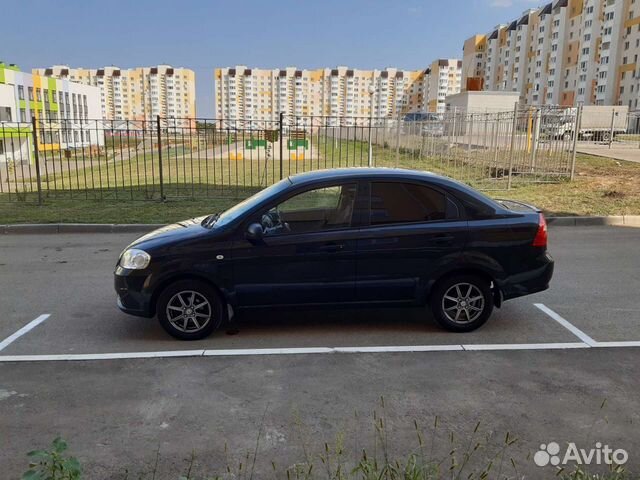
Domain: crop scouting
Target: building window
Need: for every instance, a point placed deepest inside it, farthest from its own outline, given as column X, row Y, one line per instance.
column 38, row 94
column 30, row 91
column 23, row 115
column 21, row 92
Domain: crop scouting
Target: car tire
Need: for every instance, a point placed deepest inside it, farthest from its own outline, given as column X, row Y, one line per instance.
column 190, row 309
column 462, row 303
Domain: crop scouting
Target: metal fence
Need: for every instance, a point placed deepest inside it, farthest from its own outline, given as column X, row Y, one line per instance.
column 163, row 159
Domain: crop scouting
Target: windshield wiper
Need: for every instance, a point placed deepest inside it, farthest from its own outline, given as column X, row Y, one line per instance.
column 210, row 220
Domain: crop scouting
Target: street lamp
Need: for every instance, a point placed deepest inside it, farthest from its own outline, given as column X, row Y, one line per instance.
column 372, row 91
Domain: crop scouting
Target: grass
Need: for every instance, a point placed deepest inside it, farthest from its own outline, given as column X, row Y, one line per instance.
column 373, row 453
column 602, row 187
column 128, row 191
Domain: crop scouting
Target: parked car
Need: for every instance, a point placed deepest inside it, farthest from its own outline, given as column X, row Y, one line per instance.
column 340, row 237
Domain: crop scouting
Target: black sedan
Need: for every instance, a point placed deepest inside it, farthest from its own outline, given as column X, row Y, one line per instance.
column 340, row 237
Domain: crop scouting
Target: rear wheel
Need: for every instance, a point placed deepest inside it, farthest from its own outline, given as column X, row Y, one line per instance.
column 462, row 303
column 190, row 309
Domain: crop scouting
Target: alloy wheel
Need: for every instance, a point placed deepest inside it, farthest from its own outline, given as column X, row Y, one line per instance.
column 189, row 311
column 463, row 303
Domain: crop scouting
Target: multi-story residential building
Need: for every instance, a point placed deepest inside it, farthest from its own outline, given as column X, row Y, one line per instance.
column 138, row 93
column 566, row 53
column 62, row 110
column 443, row 77
column 259, row 95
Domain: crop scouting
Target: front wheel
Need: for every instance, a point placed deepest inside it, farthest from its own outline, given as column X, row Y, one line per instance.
column 462, row 303
column 190, row 309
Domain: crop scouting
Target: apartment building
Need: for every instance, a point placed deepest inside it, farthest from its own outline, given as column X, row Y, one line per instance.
column 443, row 78
column 259, row 95
column 138, row 93
column 62, row 110
column 567, row 52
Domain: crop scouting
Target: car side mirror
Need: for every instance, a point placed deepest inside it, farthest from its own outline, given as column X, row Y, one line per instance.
column 254, row 233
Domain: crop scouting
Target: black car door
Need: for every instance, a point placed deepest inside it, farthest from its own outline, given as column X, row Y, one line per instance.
column 307, row 254
column 413, row 232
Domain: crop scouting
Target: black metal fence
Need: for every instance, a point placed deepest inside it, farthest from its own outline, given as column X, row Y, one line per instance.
column 163, row 159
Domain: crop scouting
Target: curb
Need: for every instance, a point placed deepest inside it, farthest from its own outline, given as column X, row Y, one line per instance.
column 42, row 228
column 29, row 228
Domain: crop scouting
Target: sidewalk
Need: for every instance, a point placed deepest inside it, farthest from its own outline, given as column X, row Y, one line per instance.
column 619, row 151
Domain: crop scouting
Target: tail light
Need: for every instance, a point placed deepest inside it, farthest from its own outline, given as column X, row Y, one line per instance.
column 540, row 239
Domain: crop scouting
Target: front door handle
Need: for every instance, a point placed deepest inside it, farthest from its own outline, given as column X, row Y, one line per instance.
column 332, row 247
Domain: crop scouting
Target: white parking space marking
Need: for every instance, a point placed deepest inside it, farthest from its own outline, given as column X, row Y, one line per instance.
column 526, row 346
column 618, row 344
column 566, row 324
column 26, row 329
column 586, row 342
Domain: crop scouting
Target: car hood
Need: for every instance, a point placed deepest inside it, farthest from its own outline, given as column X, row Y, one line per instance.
column 175, row 232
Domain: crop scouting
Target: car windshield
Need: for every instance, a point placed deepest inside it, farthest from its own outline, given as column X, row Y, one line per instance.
column 237, row 210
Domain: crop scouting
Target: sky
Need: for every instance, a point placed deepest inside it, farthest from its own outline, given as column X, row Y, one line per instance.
column 205, row 34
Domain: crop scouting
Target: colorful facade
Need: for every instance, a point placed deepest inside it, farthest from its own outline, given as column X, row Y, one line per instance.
column 138, row 93
column 62, row 110
column 568, row 52
column 259, row 95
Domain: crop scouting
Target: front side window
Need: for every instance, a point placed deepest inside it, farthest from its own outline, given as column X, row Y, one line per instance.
column 326, row 208
column 393, row 203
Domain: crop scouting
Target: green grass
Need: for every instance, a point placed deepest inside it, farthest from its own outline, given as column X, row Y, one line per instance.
column 128, row 191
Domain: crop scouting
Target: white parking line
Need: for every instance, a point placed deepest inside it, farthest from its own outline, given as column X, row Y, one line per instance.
column 586, row 342
column 526, row 346
column 618, row 344
column 28, row 327
column 290, row 351
column 566, row 324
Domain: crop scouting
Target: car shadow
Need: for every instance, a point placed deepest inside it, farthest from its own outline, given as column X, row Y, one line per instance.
column 346, row 320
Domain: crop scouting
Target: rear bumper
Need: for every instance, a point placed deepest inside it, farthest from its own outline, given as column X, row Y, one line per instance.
column 133, row 297
column 532, row 281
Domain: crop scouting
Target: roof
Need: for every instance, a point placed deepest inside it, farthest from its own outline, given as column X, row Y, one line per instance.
column 359, row 172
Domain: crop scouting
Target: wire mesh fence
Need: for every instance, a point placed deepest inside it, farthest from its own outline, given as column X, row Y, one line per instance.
column 197, row 158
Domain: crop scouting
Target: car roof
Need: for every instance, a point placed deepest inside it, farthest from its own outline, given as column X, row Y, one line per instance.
column 363, row 172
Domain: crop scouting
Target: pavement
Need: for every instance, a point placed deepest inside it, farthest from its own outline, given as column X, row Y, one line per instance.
column 124, row 394
column 619, row 151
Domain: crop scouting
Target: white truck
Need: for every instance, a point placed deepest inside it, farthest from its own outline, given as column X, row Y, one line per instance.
column 598, row 122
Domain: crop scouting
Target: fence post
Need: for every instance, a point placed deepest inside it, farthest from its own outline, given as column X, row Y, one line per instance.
column 613, row 122
column 398, row 141
column 513, row 143
column 281, row 141
column 536, row 138
column 160, row 158
column 36, row 157
column 576, row 132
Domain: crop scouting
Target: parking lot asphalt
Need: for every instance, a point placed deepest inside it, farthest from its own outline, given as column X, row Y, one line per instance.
column 119, row 412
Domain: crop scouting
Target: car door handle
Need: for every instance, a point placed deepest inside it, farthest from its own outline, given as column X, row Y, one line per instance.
column 331, row 247
column 443, row 239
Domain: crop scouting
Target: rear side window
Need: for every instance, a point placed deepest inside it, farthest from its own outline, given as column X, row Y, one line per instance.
column 393, row 202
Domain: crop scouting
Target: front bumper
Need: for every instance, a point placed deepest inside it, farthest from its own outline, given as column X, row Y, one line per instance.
column 133, row 295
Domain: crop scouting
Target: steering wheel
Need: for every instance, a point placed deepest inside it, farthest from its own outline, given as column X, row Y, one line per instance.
column 272, row 222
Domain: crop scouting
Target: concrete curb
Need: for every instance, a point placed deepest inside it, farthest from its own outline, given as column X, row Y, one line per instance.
column 40, row 228
column 25, row 229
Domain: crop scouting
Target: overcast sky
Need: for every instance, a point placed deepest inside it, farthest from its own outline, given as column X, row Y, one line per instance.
column 204, row 34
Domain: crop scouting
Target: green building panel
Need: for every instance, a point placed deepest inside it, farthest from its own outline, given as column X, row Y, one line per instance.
column 295, row 143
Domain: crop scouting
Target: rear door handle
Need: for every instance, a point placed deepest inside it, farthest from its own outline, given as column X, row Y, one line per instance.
column 444, row 239
column 332, row 247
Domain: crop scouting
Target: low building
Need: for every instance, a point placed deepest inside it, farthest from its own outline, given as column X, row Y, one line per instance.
column 482, row 102
column 62, row 110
